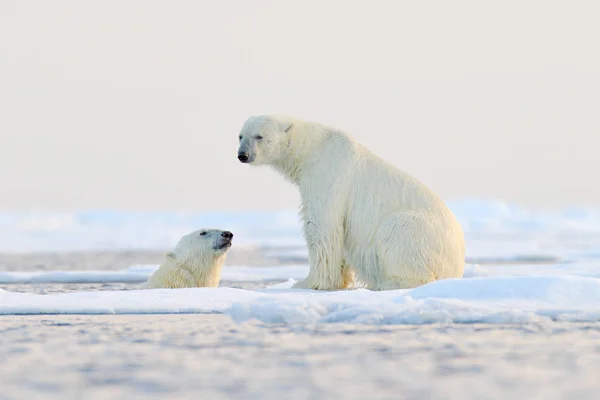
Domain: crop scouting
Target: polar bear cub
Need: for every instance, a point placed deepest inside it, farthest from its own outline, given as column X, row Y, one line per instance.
column 196, row 261
column 362, row 217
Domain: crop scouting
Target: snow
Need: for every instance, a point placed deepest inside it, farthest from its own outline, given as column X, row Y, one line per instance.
column 522, row 266
column 499, row 299
column 141, row 273
column 477, row 300
column 494, row 294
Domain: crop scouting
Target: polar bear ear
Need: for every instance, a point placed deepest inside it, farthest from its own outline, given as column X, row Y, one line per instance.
column 286, row 126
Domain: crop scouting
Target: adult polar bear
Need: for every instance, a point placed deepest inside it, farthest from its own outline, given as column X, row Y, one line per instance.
column 361, row 215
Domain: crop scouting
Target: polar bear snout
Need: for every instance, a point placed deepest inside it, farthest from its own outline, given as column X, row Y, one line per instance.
column 246, row 151
column 246, row 156
column 224, row 241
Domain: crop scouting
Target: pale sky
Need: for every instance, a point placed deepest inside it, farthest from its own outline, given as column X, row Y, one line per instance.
column 136, row 105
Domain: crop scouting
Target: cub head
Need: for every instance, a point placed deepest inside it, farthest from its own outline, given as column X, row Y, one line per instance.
column 202, row 244
column 264, row 139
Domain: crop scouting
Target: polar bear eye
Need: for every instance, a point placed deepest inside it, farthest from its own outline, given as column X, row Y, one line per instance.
column 258, row 137
column 240, row 137
column 202, row 233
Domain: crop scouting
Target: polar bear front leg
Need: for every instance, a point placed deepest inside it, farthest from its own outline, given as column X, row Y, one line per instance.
column 324, row 241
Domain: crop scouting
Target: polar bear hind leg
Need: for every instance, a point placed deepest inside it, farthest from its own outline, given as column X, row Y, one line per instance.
column 414, row 249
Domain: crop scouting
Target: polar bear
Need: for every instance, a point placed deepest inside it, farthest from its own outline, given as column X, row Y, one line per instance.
column 196, row 261
column 362, row 218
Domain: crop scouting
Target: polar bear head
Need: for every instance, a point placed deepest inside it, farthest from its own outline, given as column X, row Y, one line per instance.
column 202, row 245
column 264, row 139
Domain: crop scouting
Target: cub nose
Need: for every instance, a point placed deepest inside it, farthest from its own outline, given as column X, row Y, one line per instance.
column 243, row 157
column 227, row 234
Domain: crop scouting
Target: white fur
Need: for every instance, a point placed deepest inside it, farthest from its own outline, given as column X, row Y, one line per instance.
column 196, row 261
column 362, row 216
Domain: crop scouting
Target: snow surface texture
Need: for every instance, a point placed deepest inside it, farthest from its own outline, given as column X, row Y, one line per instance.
column 484, row 296
column 141, row 273
column 531, row 266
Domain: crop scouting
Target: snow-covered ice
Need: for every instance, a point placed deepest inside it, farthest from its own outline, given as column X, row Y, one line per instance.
column 522, row 266
column 140, row 273
column 524, row 322
column 490, row 299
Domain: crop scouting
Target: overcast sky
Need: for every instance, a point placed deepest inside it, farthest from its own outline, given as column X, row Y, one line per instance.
column 136, row 105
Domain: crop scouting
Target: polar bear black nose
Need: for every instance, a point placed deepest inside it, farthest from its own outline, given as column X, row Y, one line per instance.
column 243, row 157
column 227, row 234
